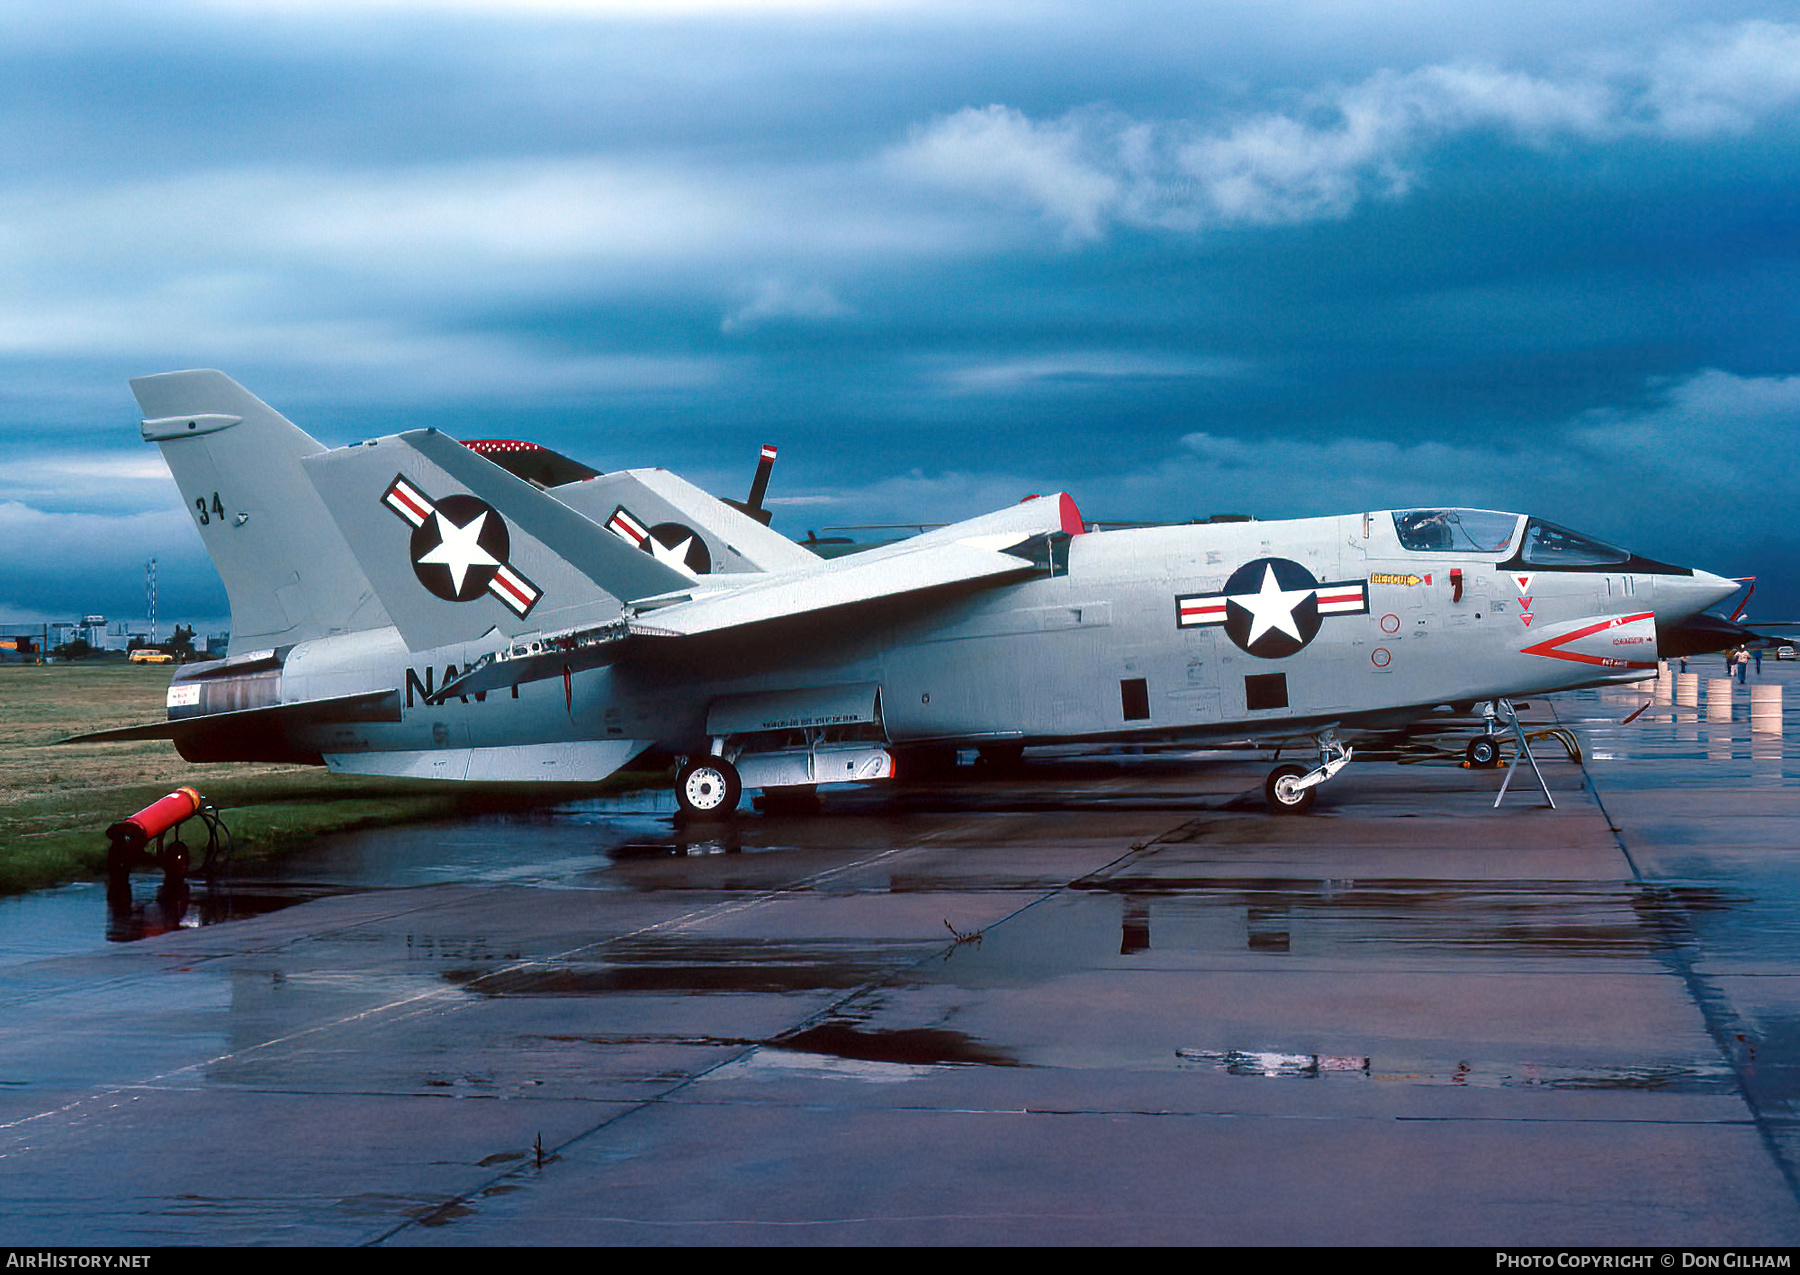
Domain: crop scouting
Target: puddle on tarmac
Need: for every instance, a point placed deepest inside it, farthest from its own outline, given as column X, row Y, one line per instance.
column 1277, row 916
column 1658, row 1077
column 783, row 1064
column 1237, row 1062
column 78, row 918
column 917, row 1046
column 706, row 965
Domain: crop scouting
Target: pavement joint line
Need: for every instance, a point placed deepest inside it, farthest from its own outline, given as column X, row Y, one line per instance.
column 680, row 1083
column 401, row 1009
column 423, row 1002
column 687, row 1082
column 1682, row 954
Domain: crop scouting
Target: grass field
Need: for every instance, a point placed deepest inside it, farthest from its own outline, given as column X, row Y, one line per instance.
column 56, row 800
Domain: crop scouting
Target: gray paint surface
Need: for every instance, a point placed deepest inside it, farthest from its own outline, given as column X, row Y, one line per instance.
column 1015, row 625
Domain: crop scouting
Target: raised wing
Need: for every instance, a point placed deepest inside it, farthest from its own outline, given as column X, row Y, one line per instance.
column 456, row 547
column 1010, row 543
column 1014, row 543
column 635, row 503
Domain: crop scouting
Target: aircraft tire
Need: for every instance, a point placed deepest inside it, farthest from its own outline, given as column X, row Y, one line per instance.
column 708, row 788
column 1297, row 803
column 1483, row 752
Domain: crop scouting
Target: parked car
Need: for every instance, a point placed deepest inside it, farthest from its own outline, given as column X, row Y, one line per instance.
column 1785, row 653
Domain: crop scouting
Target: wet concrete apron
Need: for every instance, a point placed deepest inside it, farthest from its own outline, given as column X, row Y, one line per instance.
column 1108, row 1002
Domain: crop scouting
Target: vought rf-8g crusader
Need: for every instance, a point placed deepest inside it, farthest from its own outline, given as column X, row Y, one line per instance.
column 410, row 606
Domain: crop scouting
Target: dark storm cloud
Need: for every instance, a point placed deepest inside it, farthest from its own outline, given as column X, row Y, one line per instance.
column 1284, row 258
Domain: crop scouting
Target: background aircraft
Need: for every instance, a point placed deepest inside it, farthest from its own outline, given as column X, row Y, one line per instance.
column 406, row 606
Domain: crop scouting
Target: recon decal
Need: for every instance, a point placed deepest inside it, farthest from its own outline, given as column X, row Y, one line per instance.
column 460, row 547
column 1272, row 607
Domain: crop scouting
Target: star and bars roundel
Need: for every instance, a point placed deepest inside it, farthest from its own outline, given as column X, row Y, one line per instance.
column 1272, row 607
column 673, row 544
column 460, row 548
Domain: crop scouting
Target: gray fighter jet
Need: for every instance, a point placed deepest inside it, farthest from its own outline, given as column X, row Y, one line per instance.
column 406, row 606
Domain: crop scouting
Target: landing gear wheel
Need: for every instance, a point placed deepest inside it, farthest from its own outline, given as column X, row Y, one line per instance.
column 1282, row 796
column 708, row 788
column 1483, row 752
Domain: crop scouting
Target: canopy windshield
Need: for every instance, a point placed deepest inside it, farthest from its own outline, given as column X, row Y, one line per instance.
column 1548, row 545
column 1455, row 530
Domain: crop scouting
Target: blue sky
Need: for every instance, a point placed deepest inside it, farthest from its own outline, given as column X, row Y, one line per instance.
column 1281, row 258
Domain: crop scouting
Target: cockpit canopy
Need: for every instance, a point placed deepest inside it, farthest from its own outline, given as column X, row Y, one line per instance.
column 1455, row 530
column 1548, row 545
column 1489, row 531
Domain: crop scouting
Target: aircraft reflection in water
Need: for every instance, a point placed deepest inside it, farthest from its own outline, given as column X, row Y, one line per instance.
column 406, row 606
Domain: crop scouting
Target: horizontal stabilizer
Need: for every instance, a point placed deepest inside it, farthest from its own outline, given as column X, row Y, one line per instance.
column 369, row 706
column 269, row 733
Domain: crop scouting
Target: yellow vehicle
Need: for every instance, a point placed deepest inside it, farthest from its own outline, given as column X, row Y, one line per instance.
column 150, row 655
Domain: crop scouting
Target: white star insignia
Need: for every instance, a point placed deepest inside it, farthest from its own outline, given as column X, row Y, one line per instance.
column 1271, row 607
column 459, row 548
column 674, row 555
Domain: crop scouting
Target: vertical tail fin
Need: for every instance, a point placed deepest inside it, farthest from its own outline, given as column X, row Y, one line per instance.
column 287, row 570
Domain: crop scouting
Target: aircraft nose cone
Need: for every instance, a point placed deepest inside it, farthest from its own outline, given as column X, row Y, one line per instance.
column 1681, row 596
column 1716, row 588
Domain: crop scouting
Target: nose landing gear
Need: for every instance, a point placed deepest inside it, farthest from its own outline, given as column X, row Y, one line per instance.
column 1483, row 752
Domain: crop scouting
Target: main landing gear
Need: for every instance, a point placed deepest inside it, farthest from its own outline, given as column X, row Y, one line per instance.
column 1291, row 789
column 708, row 787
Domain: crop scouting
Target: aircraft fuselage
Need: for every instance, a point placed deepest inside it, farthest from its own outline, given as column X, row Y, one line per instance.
column 1160, row 632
